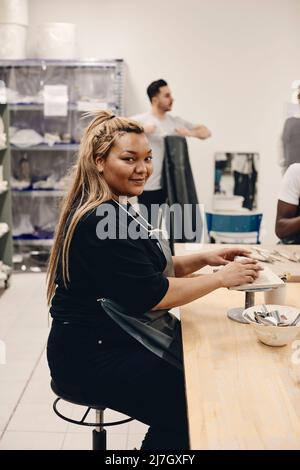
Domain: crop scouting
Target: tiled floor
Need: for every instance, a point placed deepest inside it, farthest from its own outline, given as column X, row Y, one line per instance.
column 27, row 420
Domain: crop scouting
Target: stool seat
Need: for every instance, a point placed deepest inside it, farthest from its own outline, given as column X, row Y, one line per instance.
column 99, row 433
column 76, row 401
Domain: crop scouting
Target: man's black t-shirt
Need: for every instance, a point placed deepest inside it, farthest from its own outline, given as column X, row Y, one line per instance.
column 128, row 271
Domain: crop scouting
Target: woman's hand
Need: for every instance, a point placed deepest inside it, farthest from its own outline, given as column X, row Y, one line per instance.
column 237, row 273
column 224, row 256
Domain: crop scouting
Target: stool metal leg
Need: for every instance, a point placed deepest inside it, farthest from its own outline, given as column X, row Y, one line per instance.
column 99, row 433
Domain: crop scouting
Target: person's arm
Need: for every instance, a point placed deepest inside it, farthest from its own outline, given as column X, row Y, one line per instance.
column 147, row 124
column 287, row 221
column 149, row 128
column 187, row 264
column 182, row 291
column 282, row 143
column 280, row 152
column 199, row 131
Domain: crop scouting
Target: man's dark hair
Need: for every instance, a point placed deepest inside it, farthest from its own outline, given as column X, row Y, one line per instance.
column 153, row 88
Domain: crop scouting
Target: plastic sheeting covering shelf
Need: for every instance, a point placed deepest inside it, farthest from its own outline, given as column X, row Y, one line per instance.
column 33, row 218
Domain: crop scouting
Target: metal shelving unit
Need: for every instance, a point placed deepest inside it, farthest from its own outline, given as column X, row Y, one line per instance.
column 6, row 247
column 90, row 84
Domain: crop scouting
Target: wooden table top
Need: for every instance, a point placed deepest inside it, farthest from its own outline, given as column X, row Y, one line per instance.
column 240, row 393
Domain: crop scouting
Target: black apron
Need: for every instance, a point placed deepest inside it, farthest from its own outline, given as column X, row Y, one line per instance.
column 158, row 331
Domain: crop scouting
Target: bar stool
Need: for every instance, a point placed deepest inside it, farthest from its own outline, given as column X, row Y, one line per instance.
column 99, row 433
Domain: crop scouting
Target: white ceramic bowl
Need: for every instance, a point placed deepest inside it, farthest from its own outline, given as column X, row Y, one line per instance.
column 275, row 335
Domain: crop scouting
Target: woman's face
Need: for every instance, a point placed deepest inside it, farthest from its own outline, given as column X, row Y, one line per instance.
column 128, row 165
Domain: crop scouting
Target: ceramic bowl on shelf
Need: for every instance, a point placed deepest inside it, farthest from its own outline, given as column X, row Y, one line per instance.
column 274, row 335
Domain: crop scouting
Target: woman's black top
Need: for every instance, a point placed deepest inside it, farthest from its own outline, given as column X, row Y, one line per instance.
column 128, row 271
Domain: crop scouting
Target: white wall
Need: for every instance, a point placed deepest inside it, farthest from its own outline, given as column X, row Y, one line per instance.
column 229, row 63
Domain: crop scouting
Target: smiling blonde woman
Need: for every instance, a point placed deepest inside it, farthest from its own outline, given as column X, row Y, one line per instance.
column 124, row 352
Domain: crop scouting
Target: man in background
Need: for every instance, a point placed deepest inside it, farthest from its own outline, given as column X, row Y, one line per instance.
column 288, row 208
column 157, row 124
column 290, row 140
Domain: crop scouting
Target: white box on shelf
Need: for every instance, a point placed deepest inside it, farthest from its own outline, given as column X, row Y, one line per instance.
column 56, row 100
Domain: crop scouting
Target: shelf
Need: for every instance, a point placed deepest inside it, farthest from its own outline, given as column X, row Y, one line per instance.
column 40, row 107
column 41, row 63
column 25, row 106
column 55, row 147
column 40, row 192
column 33, row 241
column 2, row 149
column 3, row 191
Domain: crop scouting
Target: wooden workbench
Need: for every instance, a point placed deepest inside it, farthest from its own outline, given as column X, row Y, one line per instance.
column 240, row 393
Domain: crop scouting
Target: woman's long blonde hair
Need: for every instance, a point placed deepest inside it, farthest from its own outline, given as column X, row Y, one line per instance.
column 88, row 188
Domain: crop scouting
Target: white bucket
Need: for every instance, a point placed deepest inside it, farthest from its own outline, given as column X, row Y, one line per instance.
column 12, row 41
column 14, row 11
column 56, row 41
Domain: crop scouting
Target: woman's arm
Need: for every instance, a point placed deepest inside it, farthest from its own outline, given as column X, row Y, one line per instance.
column 187, row 264
column 182, row 291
